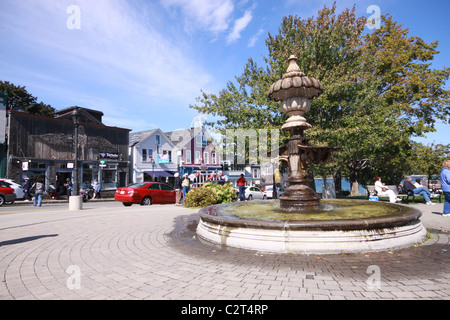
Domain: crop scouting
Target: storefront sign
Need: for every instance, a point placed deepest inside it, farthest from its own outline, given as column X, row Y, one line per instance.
column 163, row 158
column 108, row 155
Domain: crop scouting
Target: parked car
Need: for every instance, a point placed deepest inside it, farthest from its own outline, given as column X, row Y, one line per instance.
column 18, row 189
column 253, row 193
column 145, row 193
column 6, row 193
column 268, row 191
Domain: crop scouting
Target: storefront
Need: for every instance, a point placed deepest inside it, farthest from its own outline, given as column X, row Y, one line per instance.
column 42, row 147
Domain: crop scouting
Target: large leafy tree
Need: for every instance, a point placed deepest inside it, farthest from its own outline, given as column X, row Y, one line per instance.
column 20, row 99
column 379, row 90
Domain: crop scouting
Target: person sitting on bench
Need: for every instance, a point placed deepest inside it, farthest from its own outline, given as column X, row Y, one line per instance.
column 382, row 190
column 408, row 186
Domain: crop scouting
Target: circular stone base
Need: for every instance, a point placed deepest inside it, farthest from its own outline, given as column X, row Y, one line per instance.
column 312, row 241
column 339, row 226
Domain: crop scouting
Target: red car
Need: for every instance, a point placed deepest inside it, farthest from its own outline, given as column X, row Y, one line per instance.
column 6, row 193
column 145, row 194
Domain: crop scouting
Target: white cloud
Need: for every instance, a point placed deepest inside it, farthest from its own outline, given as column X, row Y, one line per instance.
column 116, row 47
column 254, row 38
column 210, row 15
column 239, row 25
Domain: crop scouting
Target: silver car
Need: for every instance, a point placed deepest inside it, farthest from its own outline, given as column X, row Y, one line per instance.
column 18, row 189
column 253, row 193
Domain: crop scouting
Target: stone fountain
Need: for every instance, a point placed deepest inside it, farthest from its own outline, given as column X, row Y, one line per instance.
column 300, row 222
column 295, row 92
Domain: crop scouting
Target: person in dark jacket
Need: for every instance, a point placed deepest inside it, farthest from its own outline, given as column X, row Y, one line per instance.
column 408, row 186
column 26, row 189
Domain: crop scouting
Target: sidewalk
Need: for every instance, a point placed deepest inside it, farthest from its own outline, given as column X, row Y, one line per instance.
column 152, row 252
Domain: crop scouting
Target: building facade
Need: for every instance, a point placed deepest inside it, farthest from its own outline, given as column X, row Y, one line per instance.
column 198, row 155
column 153, row 157
column 43, row 147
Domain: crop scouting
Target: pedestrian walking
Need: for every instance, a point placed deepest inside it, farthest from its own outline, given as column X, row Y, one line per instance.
column 177, row 186
column 241, row 185
column 38, row 186
column 445, row 185
column 185, row 184
column 69, row 187
column 26, row 189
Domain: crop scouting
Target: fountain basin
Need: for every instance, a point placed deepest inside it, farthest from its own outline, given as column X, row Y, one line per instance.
column 338, row 226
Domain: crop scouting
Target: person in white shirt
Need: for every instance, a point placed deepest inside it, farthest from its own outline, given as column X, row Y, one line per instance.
column 382, row 190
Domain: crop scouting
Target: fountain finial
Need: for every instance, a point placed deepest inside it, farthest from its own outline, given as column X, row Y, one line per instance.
column 293, row 69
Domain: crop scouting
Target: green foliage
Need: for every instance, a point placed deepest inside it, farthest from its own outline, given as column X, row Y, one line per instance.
column 20, row 99
column 225, row 193
column 210, row 194
column 200, row 197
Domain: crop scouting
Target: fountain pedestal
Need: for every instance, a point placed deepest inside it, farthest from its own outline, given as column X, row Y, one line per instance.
column 295, row 92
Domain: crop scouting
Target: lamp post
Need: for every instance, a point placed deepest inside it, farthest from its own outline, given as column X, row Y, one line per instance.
column 152, row 161
column 75, row 201
column 76, row 123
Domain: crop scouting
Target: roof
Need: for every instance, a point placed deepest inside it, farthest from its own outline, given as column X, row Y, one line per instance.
column 138, row 137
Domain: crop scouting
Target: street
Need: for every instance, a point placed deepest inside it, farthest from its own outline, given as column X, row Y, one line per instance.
column 108, row 251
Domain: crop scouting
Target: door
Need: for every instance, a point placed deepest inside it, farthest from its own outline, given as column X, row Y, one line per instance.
column 156, row 193
column 169, row 193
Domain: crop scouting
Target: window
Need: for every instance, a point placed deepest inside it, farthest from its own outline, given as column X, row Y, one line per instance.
column 188, row 156
column 213, row 157
column 144, row 155
column 197, row 157
column 165, row 187
column 201, row 141
column 158, row 139
column 150, row 154
column 206, row 157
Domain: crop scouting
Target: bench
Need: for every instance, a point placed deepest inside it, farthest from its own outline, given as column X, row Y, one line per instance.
column 372, row 192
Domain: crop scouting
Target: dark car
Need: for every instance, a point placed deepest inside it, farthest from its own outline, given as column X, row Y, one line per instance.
column 6, row 193
column 146, row 193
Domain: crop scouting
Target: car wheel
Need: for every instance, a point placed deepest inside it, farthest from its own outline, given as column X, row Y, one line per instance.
column 127, row 204
column 147, row 201
column 250, row 197
column 2, row 200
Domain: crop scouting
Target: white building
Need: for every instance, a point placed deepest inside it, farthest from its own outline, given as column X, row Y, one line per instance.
column 152, row 157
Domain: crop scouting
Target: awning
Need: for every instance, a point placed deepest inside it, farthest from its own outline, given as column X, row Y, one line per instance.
column 160, row 174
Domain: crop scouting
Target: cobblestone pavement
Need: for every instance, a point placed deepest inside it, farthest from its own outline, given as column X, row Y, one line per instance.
column 112, row 252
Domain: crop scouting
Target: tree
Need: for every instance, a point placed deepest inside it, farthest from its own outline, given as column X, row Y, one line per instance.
column 20, row 99
column 406, row 84
column 379, row 90
column 428, row 159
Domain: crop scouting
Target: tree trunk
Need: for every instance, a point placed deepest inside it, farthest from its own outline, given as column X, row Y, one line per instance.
column 355, row 189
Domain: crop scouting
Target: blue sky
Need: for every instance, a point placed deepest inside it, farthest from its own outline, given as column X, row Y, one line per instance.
column 143, row 62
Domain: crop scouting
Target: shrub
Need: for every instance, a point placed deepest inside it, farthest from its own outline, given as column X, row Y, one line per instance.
column 210, row 194
column 200, row 197
column 225, row 193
